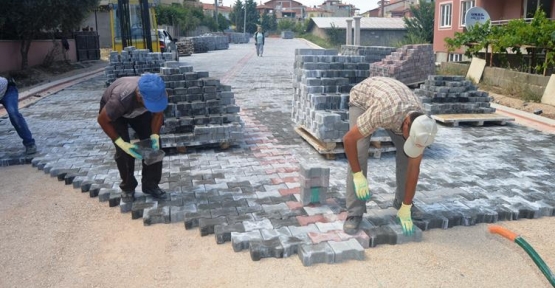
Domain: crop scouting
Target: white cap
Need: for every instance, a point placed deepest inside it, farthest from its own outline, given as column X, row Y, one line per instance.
column 3, row 86
column 422, row 134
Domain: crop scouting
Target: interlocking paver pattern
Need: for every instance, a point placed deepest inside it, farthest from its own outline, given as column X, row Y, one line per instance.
column 244, row 195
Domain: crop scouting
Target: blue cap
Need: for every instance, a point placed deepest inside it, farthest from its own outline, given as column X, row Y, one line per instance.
column 153, row 90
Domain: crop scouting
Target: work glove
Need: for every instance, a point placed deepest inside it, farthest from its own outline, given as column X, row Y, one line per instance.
column 406, row 221
column 361, row 186
column 129, row 148
column 155, row 138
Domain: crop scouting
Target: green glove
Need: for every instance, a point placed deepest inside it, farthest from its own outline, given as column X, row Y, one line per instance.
column 361, row 186
column 405, row 219
column 155, row 138
column 129, row 148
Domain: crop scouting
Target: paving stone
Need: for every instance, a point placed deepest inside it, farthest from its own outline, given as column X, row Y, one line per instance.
column 104, row 194
column 303, row 230
column 257, row 225
column 231, row 219
column 305, row 220
column 241, row 241
column 347, row 250
column 316, row 253
column 274, row 233
column 191, row 219
column 331, row 226
column 138, row 207
column 155, row 215
column 284, row 222
column 381, row 235
column 291, row 244
column 317, row 237
column 265, row 249
column 315, row 210
column 229, row 211
column 362, row 238
column 206, row 225
column 114, row 198
column 223, row 231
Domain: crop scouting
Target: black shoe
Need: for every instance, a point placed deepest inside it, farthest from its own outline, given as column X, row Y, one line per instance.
column 127, row 197
column 352, row 224
column 396, row 204
column 155, row 192
column 31, row 149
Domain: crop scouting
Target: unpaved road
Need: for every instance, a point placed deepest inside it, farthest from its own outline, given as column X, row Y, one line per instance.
column 51, row 235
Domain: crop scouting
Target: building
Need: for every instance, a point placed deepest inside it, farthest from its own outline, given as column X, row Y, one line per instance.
column 393, row 8
column 209, row 10
column 284, row 9
column 374, row 31
column 339, row 9
column 450, row 18
column 317, row 12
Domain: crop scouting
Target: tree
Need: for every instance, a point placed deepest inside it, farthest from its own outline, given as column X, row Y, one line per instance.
column 28, row 18
column 223, row 23
column 266, row 22
column 421, row 25
column 237, row 15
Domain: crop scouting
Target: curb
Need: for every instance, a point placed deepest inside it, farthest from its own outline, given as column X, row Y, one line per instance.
column 42, row 88
column 526, row 118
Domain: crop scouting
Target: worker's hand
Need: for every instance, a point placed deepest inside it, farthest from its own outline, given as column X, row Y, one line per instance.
column 361, row 186
column 129, row 148
column 155, row 138
column 406, row 221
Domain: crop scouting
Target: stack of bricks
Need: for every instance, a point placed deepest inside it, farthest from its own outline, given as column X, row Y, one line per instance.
column 372, row 54
column 453, row 95
column 209, row 42
column 315, row 182
column 322, row 83
column 185, row 47
column 410, row 64
column 238, row 38
column 287, row 34
column 134, row 62
column 200, row 109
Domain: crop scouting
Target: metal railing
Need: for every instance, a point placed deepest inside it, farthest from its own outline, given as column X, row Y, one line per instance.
column 503, row 22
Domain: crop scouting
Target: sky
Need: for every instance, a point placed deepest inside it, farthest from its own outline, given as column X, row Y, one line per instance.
column 363, row 5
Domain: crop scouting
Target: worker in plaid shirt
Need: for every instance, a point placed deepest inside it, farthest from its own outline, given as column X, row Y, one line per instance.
column 387, row 103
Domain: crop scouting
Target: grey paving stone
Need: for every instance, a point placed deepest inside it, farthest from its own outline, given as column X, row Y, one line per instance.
column 155, row 215
column 138, row 207
column 223, row 231
column 191, row 219
column 316, row 253
column 206, row 225
column 241, row 241
column 257, row 225
column 347, row 250
column 265, row 249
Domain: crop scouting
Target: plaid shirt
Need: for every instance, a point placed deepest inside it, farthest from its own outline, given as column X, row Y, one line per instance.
column 387, row 102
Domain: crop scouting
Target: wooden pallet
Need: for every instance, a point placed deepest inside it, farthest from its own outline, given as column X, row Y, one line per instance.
column 182, row 147
column 331, row 149
column 474, row 119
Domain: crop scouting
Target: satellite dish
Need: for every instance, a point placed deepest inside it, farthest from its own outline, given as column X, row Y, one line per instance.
column 474, row 16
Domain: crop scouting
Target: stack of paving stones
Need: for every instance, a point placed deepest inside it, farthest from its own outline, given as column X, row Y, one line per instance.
column 185, row 47
column 322, row 82
column 410, row 64
column 209, row 42
column 238, row 38
column 200, row 110
column 453, row 95
column 287, row 34
column 134, row 62
column 372, row 54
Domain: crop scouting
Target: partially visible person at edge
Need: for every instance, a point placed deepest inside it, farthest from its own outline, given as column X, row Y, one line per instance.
column 137, row 102
column 259, row 41
column 9, row 98
column 387, row 103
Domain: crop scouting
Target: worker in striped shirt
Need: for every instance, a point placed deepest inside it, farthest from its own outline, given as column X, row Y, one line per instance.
column 381, row 102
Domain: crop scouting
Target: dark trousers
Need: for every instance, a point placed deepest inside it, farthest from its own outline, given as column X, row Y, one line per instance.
column 151, row 174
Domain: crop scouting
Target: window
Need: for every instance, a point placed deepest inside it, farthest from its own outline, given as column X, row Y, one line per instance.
column 455, row 57
column 530, row 7
column 465, row 5
column 445, row 15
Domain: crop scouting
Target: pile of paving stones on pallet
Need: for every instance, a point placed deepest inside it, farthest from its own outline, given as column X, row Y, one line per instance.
column 322, row 82
column 134, row 62
column 209, row 42
column 453, row 95
column 238, row 38
column 287, row 34
column 372, row 54
column 200, row 110
column 185, row 47
column 410, row 64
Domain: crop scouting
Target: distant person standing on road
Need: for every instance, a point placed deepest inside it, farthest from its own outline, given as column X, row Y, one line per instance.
column 9, row 98
column 259, row 41
column 138, row 102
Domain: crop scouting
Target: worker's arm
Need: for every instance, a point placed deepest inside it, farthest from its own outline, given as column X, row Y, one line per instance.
column 106, row 125
column 413, row 171
column 350, row 144
column 156, row 122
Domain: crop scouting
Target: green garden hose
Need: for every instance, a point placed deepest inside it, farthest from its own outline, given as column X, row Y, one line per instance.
column 496, row 229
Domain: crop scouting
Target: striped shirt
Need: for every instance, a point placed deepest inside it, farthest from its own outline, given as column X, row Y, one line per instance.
column 387, row 102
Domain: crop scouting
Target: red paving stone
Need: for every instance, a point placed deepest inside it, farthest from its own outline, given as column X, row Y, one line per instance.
column 290, row 191
column 318, row 237
column 294, row 205
column 305, row 220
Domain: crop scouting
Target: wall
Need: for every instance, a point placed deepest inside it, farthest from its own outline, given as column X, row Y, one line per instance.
column 505, row 78
column 104, row 30
column 369, row 37
column 10, row 56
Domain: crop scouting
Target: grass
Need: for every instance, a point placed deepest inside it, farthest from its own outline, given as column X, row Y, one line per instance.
column 514, row 90
column 324, row 43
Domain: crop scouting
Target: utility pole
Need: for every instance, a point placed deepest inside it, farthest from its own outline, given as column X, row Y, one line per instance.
column 245, row 20
column 216, row 12
column 383, row 7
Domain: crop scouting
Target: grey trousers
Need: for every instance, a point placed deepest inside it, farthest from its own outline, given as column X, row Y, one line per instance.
column 356, row 207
